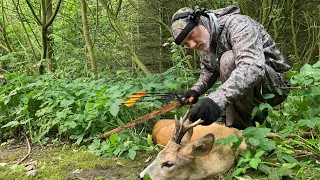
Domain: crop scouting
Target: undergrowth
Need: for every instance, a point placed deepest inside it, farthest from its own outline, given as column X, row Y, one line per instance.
column 59, row 107
column 296, row 157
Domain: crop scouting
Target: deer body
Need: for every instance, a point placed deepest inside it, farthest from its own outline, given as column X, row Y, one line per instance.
column 191, row 156
column 163, row 131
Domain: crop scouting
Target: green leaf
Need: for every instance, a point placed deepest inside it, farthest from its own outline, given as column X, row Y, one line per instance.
column 257, row 133
column 264, row 168
column 94, row 145
column 89, row 106
column 114, row 138
column 114, row 109
column 119, row 101
column 267, row 144
column 61, row 115
column 308, row 81
column 240, row 161
column 290, row 74
column 311, row 123
column 254, row 141
column 289, row 165
column 66, row 103
column 117, row 151
column 247, row 154
column 227, row 141
column 254, row 162
column 132, row 154
column 316, row 65
column 289, row 159
column 268, row 96
column 147, row 177
column 135, row 148
column 263, row 106
column 238, row 171
column 105, row 146
column 149, row 140
column 70, row 124
column 127, row 143
column 116, row 94
column 259, row 153
column 120, row 123
column 79, row 138
column 255, row 111
column 11, row 124
column 306, row 68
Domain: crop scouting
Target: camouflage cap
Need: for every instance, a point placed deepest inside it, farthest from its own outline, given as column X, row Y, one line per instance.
column 178, row 25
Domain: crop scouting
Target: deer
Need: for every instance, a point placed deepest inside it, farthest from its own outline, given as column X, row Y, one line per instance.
column 191, row 157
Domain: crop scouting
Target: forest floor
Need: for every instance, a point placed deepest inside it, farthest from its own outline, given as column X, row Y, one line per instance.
column 67, row 162
column 74, row 163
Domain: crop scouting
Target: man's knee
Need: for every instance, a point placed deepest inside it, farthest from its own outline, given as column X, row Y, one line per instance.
column 227, row 65
column 273, row 83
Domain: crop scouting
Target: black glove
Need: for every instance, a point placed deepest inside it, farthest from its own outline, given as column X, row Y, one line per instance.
column 192, row 93
column 207, row 110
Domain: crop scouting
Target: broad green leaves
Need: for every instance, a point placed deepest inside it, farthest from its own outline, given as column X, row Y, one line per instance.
column 115, row 145
column 300, row 112
column 82, row 108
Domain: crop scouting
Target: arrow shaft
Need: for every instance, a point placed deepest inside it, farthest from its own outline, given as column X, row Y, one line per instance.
column 144, row 118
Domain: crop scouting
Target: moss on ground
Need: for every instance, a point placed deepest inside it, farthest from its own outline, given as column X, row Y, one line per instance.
column 70, row 163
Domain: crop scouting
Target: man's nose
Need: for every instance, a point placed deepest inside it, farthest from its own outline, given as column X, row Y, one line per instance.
column 190, row 44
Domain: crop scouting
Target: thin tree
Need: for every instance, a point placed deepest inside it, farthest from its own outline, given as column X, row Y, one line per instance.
column 119, row 29
column 44, row 22
column 87, row 37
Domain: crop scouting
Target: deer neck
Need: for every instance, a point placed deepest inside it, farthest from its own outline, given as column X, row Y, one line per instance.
column 200, row 171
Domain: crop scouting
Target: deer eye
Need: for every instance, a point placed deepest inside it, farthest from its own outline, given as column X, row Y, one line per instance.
column 167, row 164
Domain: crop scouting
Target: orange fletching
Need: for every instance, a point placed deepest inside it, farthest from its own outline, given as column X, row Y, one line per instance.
column 135, row 97
column 130, row 103
column 141, row 93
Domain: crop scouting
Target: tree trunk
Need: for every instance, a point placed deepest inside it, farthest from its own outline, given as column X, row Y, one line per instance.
column 44, row 22
column 51, row 61
column 87, row 38
column 7, row 47
column 118, row 27
column 43, row 36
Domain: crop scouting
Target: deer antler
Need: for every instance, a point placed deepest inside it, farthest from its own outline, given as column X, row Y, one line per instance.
column 181, row 128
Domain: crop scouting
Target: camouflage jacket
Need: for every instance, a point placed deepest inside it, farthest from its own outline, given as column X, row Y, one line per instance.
column 253, row 48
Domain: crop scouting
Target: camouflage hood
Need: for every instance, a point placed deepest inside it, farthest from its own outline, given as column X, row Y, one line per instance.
column 222, row 14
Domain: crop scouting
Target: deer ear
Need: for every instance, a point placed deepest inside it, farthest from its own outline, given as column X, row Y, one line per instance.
column 202, row 146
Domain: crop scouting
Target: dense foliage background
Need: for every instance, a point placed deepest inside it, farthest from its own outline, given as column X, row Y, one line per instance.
column 69, row 66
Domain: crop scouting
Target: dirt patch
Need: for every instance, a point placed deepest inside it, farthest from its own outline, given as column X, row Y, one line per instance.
column 12, row 151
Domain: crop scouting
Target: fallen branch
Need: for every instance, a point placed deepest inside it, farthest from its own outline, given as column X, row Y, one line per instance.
column 292, row 135
column 297, row 87
column 302, row 153
column 29, row 150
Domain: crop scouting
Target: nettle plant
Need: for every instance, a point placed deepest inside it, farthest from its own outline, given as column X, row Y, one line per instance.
column 283, row 156
column 50, row 108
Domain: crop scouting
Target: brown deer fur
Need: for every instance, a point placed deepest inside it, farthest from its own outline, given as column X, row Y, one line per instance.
column 163, row 131
column 194, row 158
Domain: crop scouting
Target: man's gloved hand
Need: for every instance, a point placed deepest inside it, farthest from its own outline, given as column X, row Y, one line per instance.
column 207, row 110
column 189, row 94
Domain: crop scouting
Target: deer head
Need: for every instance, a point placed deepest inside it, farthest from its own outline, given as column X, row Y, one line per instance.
column 178, row 160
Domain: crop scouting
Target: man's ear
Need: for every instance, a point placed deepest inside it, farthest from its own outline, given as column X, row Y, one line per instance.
column 202, row 146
